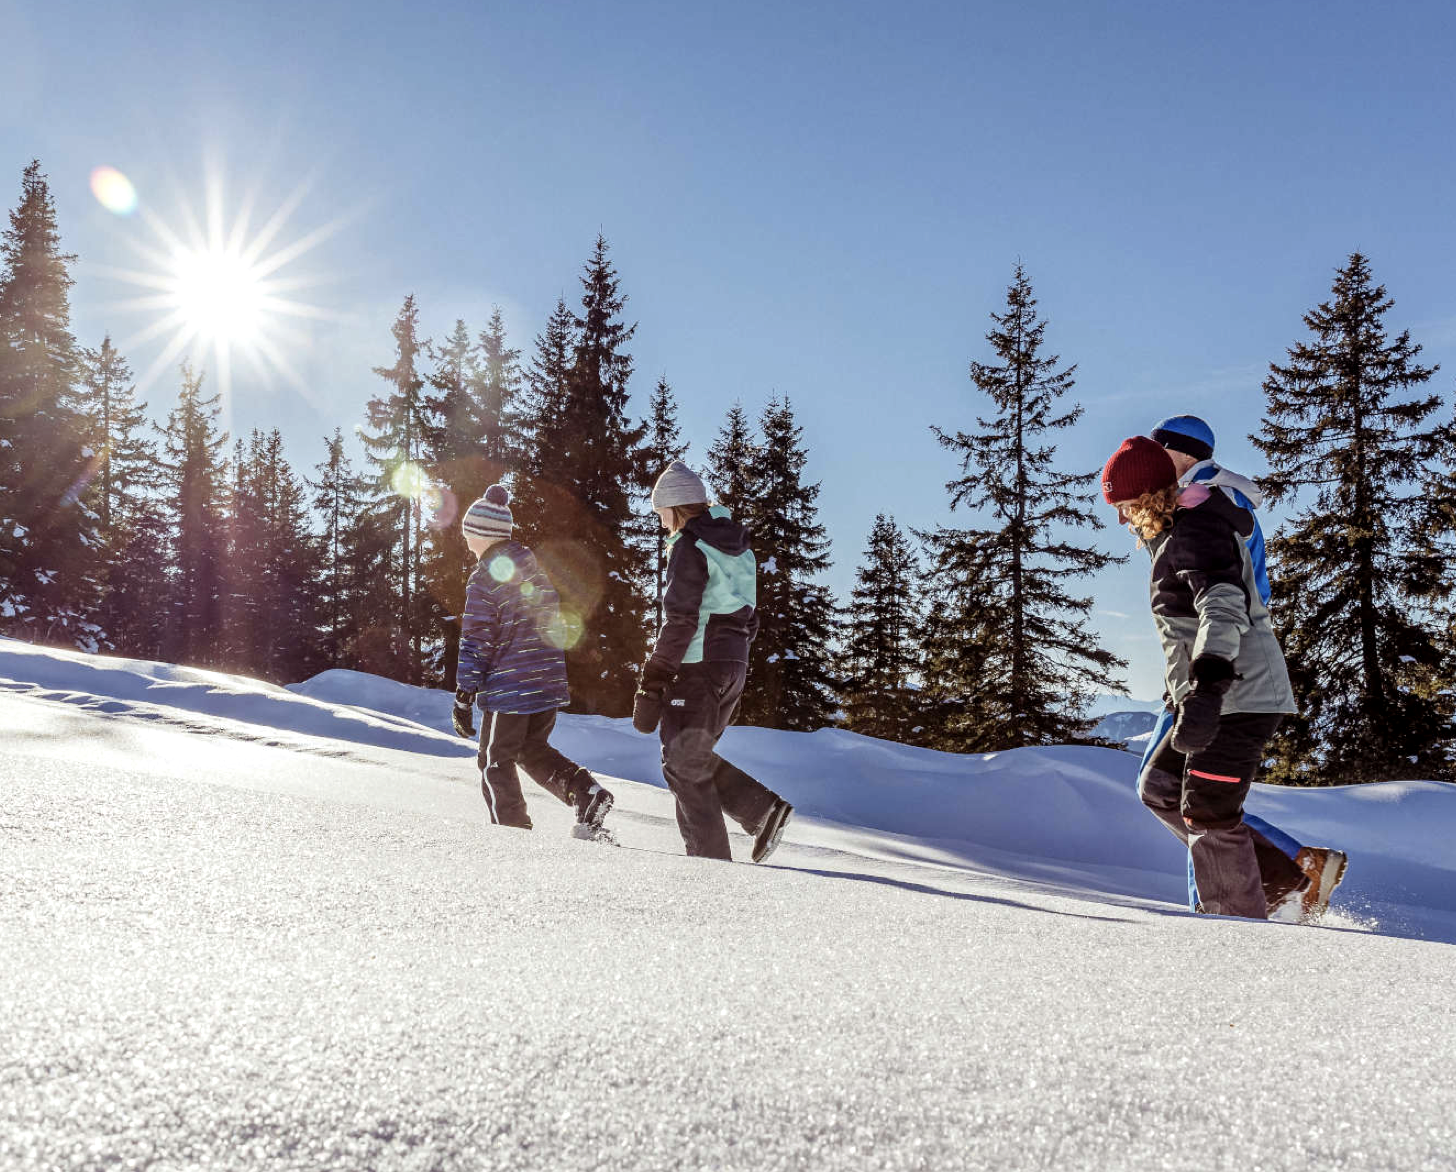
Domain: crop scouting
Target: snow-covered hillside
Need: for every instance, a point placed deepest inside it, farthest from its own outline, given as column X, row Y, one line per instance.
column 247, row 927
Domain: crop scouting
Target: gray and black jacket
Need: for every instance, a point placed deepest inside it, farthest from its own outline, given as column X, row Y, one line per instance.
column 1206, row 602
column 709, row 606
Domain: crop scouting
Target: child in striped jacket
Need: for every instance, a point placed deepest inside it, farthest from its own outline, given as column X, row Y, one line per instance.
column 513, row 666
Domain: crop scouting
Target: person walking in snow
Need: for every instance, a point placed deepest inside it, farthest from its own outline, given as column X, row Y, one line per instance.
column 1225, row 675
column 512, row 665
column 1189, row 442
column 692, row 680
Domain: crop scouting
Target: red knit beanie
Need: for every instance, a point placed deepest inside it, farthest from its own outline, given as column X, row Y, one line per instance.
column 1140, row 465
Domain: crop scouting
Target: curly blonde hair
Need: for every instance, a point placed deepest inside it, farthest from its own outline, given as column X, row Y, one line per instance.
column 1151, row 513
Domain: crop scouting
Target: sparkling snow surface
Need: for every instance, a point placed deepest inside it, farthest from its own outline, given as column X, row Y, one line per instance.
column 222, row 950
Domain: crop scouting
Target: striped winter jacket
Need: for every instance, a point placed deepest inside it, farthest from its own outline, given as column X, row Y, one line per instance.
column 1206, row 602
column 512, row 635
column 708, row 607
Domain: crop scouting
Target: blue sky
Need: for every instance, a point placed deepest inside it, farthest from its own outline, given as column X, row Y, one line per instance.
column 823, row 201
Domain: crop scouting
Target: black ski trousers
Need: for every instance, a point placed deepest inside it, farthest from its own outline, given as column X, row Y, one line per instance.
column 512, row 739
column 1200, row 798
column 697, row 707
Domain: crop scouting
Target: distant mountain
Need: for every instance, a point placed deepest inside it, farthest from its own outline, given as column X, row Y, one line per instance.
column 1106, row 705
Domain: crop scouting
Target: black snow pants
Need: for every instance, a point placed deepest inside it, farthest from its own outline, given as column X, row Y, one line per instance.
column 1200, row 798
column 697, row 707
column 511, row 739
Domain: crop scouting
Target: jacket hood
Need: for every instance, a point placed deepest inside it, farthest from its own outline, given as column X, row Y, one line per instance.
column 717, row 528
column 1207, row 472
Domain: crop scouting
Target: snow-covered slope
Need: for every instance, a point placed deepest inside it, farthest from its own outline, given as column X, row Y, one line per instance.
column 233, row 941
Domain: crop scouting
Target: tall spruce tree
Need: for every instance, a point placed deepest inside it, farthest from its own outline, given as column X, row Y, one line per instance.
column 339, row 505
column 664, row 444
column 881, row 654
column 49, row 584
column 395, row 446
column 455, row 428
column 731, row 463
column 124, row 494
column 591, row 465
column 539, row 422
column 194, row 476
column 1347, row 435
column 791, row 681
column 1010, row 655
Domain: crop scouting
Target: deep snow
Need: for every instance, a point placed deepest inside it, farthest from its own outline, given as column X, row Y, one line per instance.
column 244, row 927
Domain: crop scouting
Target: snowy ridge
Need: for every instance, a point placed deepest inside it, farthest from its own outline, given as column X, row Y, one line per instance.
column 235, row 939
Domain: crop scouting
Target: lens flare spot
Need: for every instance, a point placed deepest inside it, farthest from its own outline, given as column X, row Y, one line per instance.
column 528, row 590
column 564, row 631
column 442, row 501
column 501, row 568
column 113, row 191
column 409, row 480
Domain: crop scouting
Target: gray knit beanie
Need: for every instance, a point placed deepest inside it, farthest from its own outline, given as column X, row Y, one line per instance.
column 678, row 485
column 490, row 516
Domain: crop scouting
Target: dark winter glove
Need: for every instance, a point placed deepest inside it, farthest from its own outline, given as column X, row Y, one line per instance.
column 462, row 716
column 646, row 711
column 1197, row 722
column 655, row 677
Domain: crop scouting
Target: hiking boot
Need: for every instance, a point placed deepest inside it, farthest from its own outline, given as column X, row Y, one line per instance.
column 772, row 829
column 592, row 803
column 1325, row 868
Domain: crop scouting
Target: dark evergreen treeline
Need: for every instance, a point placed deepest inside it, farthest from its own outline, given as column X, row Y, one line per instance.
column 183, row 543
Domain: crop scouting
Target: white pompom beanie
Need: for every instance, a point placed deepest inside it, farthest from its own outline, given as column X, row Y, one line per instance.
column 678, row 485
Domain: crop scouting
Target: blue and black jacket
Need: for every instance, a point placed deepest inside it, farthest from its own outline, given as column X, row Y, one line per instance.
column 709, row 605
column 512, row 635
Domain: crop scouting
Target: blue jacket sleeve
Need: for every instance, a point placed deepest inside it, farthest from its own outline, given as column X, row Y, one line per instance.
column 682, row 600
column 479, row 628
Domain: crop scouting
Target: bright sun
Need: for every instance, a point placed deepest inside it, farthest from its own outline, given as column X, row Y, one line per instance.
column 226, row 290
column 220, row 296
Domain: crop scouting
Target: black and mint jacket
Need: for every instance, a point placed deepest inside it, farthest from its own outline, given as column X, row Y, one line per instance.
column 512, row 635
column 709, row 605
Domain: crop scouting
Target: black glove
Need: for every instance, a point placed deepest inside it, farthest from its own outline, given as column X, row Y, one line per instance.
column 462, row 716
column 1197, row 722
column 655, row 677
column 646, row 711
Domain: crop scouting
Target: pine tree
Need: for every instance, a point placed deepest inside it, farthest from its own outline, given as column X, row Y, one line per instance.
column 664, row 444
column 1347, row 435
column 49, row 585
column 498, row 392
column 339, row 503
column 791, row 679
column 124, row 495
column 395, row 448
column 881, row 655
column 456, row 426
column 1010, row 653
column 731, row 461
column 539, row 423
column 590, row 468
column 194, row 498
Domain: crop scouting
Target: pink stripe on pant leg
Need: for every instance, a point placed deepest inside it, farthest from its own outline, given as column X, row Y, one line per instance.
column 1214, row 776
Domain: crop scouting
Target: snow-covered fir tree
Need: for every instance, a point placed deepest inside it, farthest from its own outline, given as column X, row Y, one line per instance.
column 49, row 575
column 731, row 463
column 536, row 493
column 1008, row 648
column 124, row 495
column 1351, row 438
column 591, row 467
column 194, row 497
column 664, row 443
column 791, row 679
column 394, row 443
column 880, row 695
column 343, row 525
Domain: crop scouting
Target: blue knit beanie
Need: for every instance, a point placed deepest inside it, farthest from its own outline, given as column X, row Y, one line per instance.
column 1187, row 434
column 490, row 516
